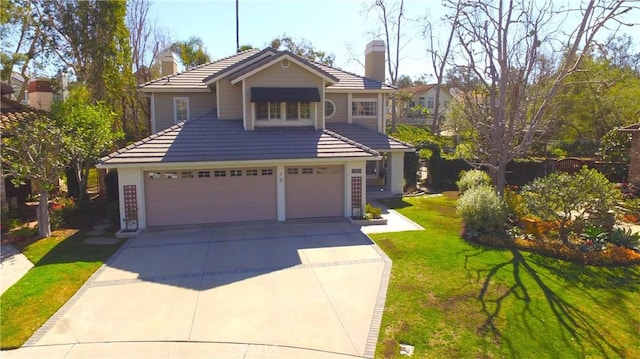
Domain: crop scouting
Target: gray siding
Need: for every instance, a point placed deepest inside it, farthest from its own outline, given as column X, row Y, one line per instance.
column 340, row 100
column 230, row 97
column 370, row 123
column 199, row 104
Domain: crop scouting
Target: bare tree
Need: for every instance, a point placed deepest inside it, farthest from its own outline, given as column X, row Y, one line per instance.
column 439, row 59
column 391, row 18
column 505, row 43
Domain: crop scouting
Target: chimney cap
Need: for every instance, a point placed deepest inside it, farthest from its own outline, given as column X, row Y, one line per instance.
column 375, row 45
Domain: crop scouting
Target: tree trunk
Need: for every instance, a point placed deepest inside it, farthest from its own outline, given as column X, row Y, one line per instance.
column 81, row 177
column 44, row 224
column 394, row 118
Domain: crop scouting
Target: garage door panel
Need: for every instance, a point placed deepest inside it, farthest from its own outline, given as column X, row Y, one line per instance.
column 210, row 199
column 314, row 191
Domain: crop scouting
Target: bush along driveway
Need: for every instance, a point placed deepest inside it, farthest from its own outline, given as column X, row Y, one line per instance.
column 450, row 298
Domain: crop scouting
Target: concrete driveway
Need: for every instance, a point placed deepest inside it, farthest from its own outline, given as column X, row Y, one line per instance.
column 291, row 289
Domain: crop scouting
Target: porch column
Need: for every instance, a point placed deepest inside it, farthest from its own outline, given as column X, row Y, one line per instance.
column 395, row 171
column 280, row 194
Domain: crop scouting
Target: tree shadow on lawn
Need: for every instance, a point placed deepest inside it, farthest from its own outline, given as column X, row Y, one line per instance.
column 73, row 249
column 576, row 326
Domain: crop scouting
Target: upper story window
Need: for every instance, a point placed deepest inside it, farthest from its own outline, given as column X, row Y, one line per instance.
column 329, row 108
column 180, row 109
column 283, row 111
column 364, row 108
column 430, row 102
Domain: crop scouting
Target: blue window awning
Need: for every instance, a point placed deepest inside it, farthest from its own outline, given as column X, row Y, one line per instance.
column 285, row 94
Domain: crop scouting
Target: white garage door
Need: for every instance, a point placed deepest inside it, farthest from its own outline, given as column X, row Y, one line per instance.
column 314, row 191
column 210, row 196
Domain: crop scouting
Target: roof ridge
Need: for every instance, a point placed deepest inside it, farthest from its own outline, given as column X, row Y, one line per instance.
column 349, row 73
column 351, row 142
column 196, row 67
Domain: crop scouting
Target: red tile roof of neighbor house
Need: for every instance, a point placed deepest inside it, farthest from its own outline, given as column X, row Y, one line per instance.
column 195, row 79
column 208, row 139
column 12, row 111
column 418, row 89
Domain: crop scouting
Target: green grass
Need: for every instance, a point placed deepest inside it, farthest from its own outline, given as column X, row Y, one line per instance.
column 63, row 263
column 452, row 299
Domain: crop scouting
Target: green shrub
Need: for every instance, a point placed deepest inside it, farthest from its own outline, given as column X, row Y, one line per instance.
column 473, row 178
column 567, row 201
column 625, row 238
column 482, row 210
column 373, row 212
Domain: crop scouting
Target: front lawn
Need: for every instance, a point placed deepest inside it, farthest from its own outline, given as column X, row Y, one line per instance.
column 452, row 299
column 63, row 263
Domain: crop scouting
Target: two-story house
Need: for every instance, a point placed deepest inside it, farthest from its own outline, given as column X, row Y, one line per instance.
column 259, row 135
column 420, row 108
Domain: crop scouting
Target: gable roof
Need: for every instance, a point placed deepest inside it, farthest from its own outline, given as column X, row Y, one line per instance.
column 207, row 139
column 304, row 63
column 200, row 77
column 193, row 79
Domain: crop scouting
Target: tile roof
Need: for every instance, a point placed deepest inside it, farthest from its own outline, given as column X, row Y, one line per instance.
column 372, row 139
column 12, row 111
column 273, row 58
column 417, row 89
column 196, row 78
column 207, row 139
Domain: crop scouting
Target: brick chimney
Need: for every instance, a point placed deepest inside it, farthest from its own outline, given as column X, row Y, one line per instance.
column 374, row 67
column 169, row 63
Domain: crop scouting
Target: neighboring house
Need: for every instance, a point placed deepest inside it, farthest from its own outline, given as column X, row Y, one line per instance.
column 634, row 156
column 423, row 98
column 259, row 135
column 12, row 111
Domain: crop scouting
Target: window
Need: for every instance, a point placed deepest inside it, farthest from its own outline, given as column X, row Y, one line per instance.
column 186, row 174
column 252, row 172
column 262, row 110
column 372, row 167
column 235, row 173
column 180, row 109
column 267, row 172
column 219, row 173
column 153, row 175
column 171, row 175
column 292, row 110
column 275, row 111
column 292, row 171
column 329, row 108
column 364, row 108
column 430, row 102
column 307, row 170
column 204, row 174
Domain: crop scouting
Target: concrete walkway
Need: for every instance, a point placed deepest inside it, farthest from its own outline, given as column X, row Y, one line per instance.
column 298, row 289
column 13, row 266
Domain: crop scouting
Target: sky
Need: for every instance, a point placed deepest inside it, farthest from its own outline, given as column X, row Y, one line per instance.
column 330, row 25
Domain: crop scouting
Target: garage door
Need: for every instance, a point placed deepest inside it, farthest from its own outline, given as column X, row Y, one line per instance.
column 316, row 191
column 210, row 196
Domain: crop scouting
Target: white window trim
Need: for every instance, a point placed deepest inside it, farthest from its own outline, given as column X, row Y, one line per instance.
column 372, row 100
column 175, row 108
column 334, row 108
column 283, row 115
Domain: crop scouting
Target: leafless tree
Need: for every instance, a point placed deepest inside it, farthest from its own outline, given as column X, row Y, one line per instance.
column 505, row 43
column 439, row 56
column 391, row 17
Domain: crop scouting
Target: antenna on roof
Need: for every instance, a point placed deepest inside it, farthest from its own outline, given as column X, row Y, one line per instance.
column 237, row 27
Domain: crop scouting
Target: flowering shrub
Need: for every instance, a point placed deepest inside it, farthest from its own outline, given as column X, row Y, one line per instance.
column 473, row 178
column 61, row 211
column 482, row 210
